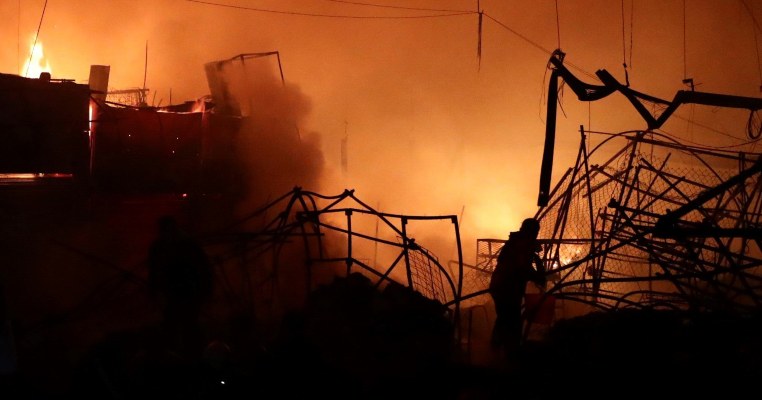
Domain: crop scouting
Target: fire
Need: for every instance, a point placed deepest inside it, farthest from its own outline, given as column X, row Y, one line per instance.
column 90, row 119
column 569, row 254
column 199, row 105
column 36, row 63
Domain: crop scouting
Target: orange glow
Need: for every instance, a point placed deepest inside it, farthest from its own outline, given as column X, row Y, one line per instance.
column 455, row 137
column 569, row 254
column 199, row 106
column 36, row 63
column 28, row 177
column 90, row 120
column 17, row 176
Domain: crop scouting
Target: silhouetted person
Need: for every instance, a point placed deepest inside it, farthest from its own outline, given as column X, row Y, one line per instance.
column 180, row 277
column 517, row 264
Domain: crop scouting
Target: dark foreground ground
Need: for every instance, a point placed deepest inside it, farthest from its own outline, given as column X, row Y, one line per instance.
column 353, row 342
column 350, row 342
column 643, row 354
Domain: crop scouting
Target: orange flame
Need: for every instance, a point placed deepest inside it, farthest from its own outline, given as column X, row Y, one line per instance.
column 36, row 63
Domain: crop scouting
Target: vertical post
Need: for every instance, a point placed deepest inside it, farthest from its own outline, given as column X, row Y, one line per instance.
column 406, row 244
column 583, row 148
column 550, row 137
column 344, row 155
column 375, row 242
column 280, row 68
column 98, row 81
column 98, row 84
column 143, row 100
column 349, row 241
column 456, row 317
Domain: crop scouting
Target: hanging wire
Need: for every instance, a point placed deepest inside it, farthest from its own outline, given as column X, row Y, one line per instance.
column 589, row 115
column 686, row 80
column 759, row 68
column 479, row 44
column 481, row 13
column 589, row 120
column 522, row 37
column 707, row 127
column 34, row 44
column 754, row 28
column 624, row 47
column 542, row 95
column 624, row 50
column 632, row 23
column 145, row 73
column 589, row 74
column 357, row 3
column 703, row 145
column 558, row 27
column 18, row 39
column 685, row 51
column 540, row 47
column 753, row 125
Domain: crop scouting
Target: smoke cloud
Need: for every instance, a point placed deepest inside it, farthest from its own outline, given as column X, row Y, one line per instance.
column 275, row 152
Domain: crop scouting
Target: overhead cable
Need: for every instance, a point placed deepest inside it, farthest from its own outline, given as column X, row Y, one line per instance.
column 357, row 3
column 37, row 35
column 264, row 10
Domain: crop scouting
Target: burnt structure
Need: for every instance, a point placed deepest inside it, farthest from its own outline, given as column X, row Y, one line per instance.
column 330, row 236
column 43, row 126
column 78, row 131
column 643, row 220
column 640, row 221
column 647, row 229
column 77, row 255
column 653, row 110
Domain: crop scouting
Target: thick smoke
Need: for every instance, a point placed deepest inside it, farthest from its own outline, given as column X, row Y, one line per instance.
column 275, row 158
column 274, row 150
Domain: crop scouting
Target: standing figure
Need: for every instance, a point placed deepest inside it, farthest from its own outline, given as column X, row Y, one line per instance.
column 517, row 264
column 180, row 277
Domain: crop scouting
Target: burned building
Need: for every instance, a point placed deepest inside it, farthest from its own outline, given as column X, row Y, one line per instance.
column 44, row 126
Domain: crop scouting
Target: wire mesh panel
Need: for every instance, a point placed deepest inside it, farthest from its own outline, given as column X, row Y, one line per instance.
column 427, row 278
column 656, row 224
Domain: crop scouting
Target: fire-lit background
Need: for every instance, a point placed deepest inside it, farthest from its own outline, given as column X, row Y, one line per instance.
column 422, row 107
column 430, row 127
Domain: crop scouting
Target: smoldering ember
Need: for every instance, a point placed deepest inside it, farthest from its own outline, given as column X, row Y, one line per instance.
column 197, row 249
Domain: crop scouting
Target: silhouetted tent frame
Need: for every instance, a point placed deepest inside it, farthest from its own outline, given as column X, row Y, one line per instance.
column 306, row 216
